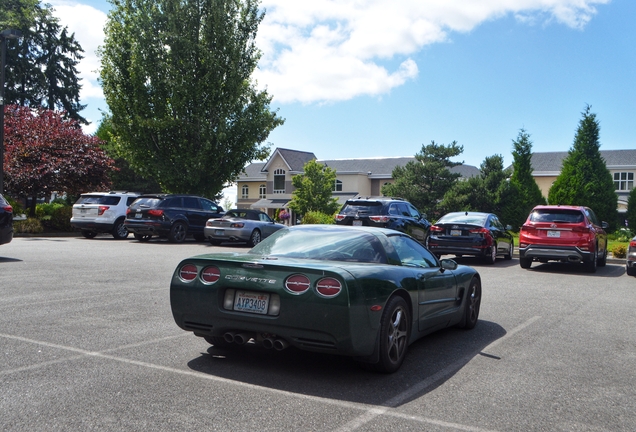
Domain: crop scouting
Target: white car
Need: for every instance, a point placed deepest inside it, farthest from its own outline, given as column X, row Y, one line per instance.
column 102, row 212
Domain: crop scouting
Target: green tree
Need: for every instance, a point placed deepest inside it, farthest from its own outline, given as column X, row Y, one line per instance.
column 313, row 190
column 123, row 177
column 425, row 181
column 529, row 193
column 42, row 65
column 631, row 211
column 176, row 77
column 584, row 178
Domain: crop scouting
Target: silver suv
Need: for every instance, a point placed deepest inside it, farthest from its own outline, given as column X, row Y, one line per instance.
column 102, row 212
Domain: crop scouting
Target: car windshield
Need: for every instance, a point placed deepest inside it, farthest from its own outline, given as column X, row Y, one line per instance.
column 145, row 203
column 350, row 245
column 463, row 218
column 563, row 216
column 98, row 199
column 367, row 208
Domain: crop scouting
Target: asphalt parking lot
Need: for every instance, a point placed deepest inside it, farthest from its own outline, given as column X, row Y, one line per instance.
column 87, row 342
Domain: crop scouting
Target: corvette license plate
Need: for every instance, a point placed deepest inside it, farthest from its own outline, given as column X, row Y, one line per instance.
column 252, row 302
column 554, row 233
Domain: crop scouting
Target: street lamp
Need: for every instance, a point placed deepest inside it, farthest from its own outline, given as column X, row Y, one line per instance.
column 4, row 35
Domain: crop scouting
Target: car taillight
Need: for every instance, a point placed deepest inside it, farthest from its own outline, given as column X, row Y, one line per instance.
column 435, row 228
column 479, row 231
column 581, row 229
column 632, row 244
column 340, row 217
column 237, row 225
column 155, row 212
column 379, row 219
column 297, row 284
column 8, row 208
column 188, row 273
column 101, row 210
column 128, row 211
column 328, row 287
column 210, row 275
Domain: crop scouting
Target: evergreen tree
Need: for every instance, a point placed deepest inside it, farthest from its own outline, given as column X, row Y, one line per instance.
column 631, row 211
column 528, row 195
column 42, row 65
column 177, row 79
column 425, row 181
column 585, row 179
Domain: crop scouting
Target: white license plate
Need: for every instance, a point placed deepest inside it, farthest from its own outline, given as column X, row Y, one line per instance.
column 82, row 211
column 219, row 232
column 252, row 302
column 357, row 223
column 554, row 233
column 456, row 232
column 137, row 215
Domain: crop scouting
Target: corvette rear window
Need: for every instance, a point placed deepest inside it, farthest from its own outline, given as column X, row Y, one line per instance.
column 563, row 216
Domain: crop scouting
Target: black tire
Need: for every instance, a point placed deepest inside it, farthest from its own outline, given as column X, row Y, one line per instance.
column 511, row 250
column 492, row 254
column 217, row 341
column 120, row 231
column 255, row 238
column 602, row 261
column 394, row 333
column 178, row 232
column 590, row 266
column 142, row 237
column 525, row 262
column 631, row 271
column 473, row 304
column 89, row 234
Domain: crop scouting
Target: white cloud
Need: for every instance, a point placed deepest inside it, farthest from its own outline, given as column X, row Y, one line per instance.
column 324, row 51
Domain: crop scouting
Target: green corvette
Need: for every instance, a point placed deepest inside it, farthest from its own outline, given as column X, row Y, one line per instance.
column 362, row 292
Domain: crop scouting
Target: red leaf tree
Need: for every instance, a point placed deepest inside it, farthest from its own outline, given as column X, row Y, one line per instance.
column 44, row 152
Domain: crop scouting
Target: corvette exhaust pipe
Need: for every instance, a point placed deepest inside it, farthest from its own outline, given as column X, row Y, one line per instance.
column 280, row 344
column 229, row 337
column 268, row 343
column 242, row 338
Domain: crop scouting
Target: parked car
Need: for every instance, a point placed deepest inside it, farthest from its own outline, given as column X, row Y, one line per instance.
column 563, row 233
column 631, row 258
column 361, row 292
column 241, row 225
column 171, row 216
column 471, row 233
column 385, row 212
column 102, row 212
column 6, row 221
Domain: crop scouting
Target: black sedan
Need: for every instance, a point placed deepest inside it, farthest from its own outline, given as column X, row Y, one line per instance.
column 471, row 233
column 6, row 221
column 362, row 292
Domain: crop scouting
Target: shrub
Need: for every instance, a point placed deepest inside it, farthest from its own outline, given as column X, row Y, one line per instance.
column 30, row 225
column 619, row 251
column 61, row 218
column 314, row 217
column 17, row 207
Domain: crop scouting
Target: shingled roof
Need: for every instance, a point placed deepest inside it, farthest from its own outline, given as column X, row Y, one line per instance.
column 549, row 163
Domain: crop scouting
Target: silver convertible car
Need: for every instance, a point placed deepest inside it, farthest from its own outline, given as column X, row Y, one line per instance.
column 241, row 225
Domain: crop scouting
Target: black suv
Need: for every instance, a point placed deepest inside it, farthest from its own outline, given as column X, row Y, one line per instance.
column 171, row 216
column 384, row 212
column 6, row 221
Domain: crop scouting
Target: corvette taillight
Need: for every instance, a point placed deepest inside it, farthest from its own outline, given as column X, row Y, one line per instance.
column 101, row 210
column 297, row 284
column 328, row 287
column 188, row 273
column 210, row 275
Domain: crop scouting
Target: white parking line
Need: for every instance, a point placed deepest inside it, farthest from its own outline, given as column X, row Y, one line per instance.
column 369, row 412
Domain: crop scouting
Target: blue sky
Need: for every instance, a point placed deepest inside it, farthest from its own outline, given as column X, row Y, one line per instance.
column 382, row 78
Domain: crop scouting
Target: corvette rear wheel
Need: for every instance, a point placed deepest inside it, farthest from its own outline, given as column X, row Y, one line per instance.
column 395, row 326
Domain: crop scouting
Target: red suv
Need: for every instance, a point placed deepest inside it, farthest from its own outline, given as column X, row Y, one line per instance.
column 563, row 233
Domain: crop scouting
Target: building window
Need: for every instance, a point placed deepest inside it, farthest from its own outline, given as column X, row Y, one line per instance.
column 262, row 191
column 624, row 181
column 245, row 192
column 337, row 187
column 279, row 181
